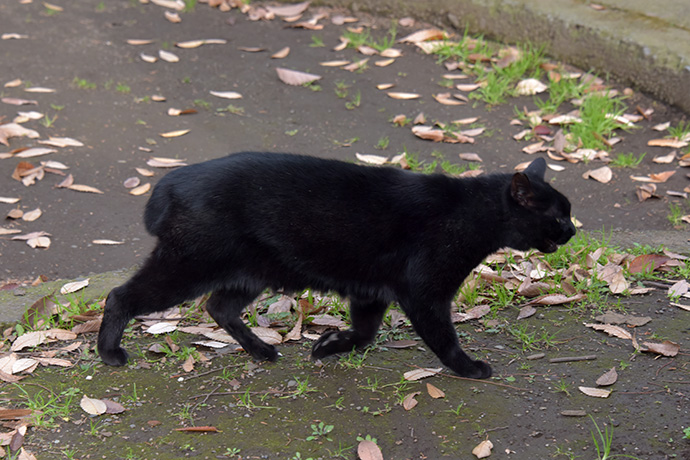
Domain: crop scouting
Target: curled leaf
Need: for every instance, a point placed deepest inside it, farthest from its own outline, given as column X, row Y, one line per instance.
column 296, row 78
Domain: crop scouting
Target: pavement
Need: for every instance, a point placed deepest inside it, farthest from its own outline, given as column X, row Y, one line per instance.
column 639, row 42
column 642, row 44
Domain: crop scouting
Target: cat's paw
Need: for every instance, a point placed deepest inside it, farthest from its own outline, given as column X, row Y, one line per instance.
column 479, row 370
column 330, row 343
column 265, row 352
column 115, row 357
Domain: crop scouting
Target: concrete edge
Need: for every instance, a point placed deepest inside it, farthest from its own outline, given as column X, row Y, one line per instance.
column 13, row 306
column 574, row 33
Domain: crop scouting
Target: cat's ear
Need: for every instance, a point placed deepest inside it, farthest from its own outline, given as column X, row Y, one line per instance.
column 521, row 190
column 537, row 168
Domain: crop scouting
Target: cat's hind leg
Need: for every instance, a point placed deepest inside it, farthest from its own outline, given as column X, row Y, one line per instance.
column 225, row 307
column 434, row 326
column 366, row 318
column 158, row 285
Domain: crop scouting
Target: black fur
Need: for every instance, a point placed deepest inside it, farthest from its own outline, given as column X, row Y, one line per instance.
column 240, row 224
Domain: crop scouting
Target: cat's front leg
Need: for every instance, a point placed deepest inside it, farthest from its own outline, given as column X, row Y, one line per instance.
column 225, row 307
column 434, row 326
column 366, row 316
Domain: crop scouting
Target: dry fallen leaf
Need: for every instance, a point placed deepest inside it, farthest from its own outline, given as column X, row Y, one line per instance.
column 282, row 53
column 296, row 78
column 368, row 450
column 84, row 188
column 140, row 190
column 177, row 133
column 74, row 286
column 603, row 174
column 608, row 378
column 168, row 56
column 668, row 142
column 289, row 10
column 595, row 392
column 678, row 289
column 226, row 94
column 107, row 242
column 615, row 331
column 483, row 449
column 401, row 95
column 434, row 392
column 423, row 35
column 31, row 216
column 93, row 406
column 417, row 374
column 530, row 87
column 409, row 402
column 371, row 159
column 665, row 159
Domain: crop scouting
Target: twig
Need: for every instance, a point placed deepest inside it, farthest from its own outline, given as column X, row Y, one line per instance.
column 659, row 370
column 207, row 372
column 567, row 359
column 477, row 433
column 475, row 380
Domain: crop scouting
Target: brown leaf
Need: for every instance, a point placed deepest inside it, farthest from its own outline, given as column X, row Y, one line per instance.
column 43, row 308
column 22, row 169
column 603, row 174
column 84, row 188
column 526, row 312
column 447, row 99
column 557, row 299
column 288, row 10
column 188, row 365
column 678, row 289
column 112, row 407
column 647, row 263
column 646, row 191
column 74, row 286
column 615, row 331
column 368, row 450
column 90, row 326
column 665, row 159
column 667, row 142
column 608, row 378
column 483, row 449
column 17, row 439
column 226, row 94
column 470, row 157
column 417, row 374
column 401, row 95
column 177, row 133
column 296, row 78
column 424, row 35
column 410, row 402
column 66, row 182
column 282, row 53
column 167, row 56
column 595, row 392
column 434, row 392
column 141, row 189
column 93, row 406
column 15, row 214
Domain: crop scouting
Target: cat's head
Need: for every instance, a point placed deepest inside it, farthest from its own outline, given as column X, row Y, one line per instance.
column 541, row 214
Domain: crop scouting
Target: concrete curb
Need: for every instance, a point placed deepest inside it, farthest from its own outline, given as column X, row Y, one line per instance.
column 15, row 302
column 643, row 50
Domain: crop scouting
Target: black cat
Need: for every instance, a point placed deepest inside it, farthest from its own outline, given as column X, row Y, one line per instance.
column 250, row 221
